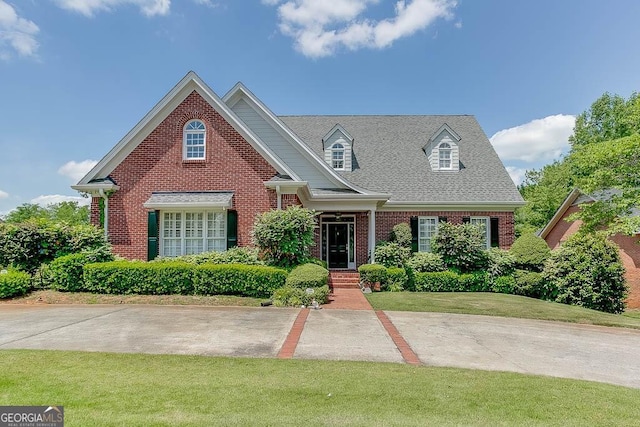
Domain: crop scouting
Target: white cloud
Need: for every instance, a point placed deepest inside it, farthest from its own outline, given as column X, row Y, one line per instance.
column 3, row 194
column 321, row 27
column 50, row 199
column 539, row 140
column 17, row 33
column 77, row 170
column 91, row 7
column 516, row 174
column 209, row 3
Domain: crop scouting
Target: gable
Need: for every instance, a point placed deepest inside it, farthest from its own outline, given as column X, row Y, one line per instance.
column 338, row 141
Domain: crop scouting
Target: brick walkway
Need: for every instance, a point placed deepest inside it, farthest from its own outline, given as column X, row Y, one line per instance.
column 348, row 299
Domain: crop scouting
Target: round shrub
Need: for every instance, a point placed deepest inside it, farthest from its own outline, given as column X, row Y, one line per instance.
column 500, row 262
column 586, row 270
column 14, row 283
column 308, row 276
column 425, row 262
column 391, row 254
column 372, row 273
column 530, row 252
column 401, row 234
column 461, row 246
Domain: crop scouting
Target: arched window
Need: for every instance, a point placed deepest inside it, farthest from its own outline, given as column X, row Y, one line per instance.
column 337, row 156
column 444, row 156
column 194, row 140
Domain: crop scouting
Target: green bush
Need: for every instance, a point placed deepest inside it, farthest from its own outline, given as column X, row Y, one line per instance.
column 391, row 254
column 28, row 245
column 236, row 255
column 401, row 234
column 532, row 284
column 530, row 252
column 288, row 296
column 503, row 284
column 586, row 270
column 285, row 237
column 461, row 246
column 425, row 262
column 372, row 273
column 14, row 283
column 308, row 276
column 396, row 280
column 137, row 277
column 236, row 279
column 66, row 272
column 450, row 281
column 500, row 262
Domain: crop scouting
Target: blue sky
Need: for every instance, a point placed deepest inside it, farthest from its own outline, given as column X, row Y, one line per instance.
column 77, row 75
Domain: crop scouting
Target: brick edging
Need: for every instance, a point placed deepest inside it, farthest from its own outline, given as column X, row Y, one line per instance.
column 291, row 342
column 405, row 349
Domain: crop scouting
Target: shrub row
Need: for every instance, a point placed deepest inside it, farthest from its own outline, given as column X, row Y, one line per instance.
column 236, row 255
column 14, row 283
column 66, row 273
column 125, row 277
column 288, row 296
column 308, row 276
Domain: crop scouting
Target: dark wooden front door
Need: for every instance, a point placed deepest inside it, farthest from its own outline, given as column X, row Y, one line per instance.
column 338, row 236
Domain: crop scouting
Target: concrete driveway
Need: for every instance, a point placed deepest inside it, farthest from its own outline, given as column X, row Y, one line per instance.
column 477, row 342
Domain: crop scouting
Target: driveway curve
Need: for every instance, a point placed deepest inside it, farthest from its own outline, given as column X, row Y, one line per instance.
column 438, row 339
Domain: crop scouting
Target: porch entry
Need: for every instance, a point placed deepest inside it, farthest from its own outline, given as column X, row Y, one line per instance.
column 339, row 241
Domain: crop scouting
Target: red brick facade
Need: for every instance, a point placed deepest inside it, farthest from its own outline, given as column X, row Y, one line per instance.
column 231, row 164
column 629, row 252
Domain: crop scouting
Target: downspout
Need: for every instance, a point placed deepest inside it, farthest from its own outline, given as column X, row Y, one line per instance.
column 106, row 213
column 279, row 195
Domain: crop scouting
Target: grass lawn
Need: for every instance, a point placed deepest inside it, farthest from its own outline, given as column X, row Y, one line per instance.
column 498, row 305
column 100, row 389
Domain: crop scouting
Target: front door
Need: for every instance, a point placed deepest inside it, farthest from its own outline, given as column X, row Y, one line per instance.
column 338, row 247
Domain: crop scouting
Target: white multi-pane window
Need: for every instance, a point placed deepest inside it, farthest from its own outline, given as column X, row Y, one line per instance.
column 337, row 156
column 427, row 228
column 186, row 233
column 195, row 138
column 444, row 156
column 483, row 223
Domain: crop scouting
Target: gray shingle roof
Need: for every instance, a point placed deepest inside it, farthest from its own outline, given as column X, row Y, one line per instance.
column 199, row 199
column 388, row 157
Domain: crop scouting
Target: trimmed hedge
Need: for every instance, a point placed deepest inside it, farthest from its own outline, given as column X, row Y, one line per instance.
column 532, row 284
column 530, row 252
column 236, row 255
column 450, row 281
column 66, row 273
column 237, row 279
column 372, row 273
column 14, row 283
column 288, row 296
column 125, row 277
column 396, row 280
column 308, row 276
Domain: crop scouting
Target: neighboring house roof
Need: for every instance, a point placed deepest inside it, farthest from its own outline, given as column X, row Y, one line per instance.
column 388, row 157
column 577, row 197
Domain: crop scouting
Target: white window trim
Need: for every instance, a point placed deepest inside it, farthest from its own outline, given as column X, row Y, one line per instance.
column 186, row 132
column 341, row 150
column 487, row 221
column 421, row 240
column 183, row 238
column 448, row 148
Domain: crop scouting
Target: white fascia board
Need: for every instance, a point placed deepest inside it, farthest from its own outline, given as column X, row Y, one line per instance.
column 161, row 110
column 451, row 206
column 240, row 90
column 341, row 206
column 575, row 193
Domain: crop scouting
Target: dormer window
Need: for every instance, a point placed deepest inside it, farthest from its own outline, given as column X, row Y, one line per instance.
column 444, row 156
column 194, row 140
column 337, row 156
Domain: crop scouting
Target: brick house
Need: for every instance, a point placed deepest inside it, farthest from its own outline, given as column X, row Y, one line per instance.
column 559, row 229
column 193, row 174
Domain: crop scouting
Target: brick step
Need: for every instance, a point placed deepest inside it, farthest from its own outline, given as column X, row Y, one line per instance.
column 345, row 285
column 344, row 280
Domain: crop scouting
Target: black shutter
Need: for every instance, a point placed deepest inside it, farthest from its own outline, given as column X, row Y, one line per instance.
column 414, row 234
column 466, row 220
column 153, row 234
column 232, row 229
column 442, row 219
column 495, row 233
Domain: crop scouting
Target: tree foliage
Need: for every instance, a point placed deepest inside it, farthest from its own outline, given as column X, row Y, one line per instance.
column 461, row 246
column 70, row 213
column 285, row 237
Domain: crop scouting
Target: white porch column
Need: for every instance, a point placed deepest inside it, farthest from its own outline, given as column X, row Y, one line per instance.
column 372, row 234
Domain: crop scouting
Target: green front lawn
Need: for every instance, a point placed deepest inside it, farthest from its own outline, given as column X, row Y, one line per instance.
column 101, row 389
column 503, row 305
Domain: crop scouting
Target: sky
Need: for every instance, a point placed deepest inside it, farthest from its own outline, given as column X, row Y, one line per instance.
column 77, row 75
